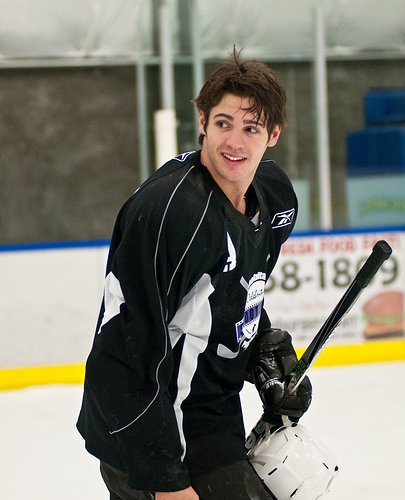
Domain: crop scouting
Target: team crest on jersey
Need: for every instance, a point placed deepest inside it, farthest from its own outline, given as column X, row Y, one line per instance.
column 247, row 328
column 283, row 218
column 183, row 156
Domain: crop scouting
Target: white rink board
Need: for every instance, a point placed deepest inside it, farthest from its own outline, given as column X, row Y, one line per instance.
column 49, row 306
column 51, row 296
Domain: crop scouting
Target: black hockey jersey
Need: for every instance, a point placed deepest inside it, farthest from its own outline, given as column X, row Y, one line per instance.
column 183, row 302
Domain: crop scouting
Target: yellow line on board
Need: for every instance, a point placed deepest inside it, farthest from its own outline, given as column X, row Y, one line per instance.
column 332, row 355
column 17, row 378
column 367, row 352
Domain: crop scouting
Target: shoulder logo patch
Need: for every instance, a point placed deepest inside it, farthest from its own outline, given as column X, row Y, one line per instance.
column 183, row 156
column 282, row 219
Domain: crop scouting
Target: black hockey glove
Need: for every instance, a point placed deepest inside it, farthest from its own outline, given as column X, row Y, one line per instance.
column 271, row 362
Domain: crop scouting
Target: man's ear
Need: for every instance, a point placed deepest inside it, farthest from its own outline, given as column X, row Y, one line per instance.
column 275, row 134
column 202, row 123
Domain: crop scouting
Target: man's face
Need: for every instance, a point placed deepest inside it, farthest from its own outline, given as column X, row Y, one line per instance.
column 234, row 143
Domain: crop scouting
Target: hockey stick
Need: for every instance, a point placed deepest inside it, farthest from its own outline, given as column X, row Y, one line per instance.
column 380, row 253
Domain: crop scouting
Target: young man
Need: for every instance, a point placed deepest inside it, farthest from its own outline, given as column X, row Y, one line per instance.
column 182, row 322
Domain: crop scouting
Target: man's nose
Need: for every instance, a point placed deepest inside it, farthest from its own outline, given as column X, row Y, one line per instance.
column 235, row 139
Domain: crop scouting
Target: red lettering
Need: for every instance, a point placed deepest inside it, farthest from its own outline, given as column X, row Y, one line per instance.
column 297, row 247
column 333, row 245
column 392, row 239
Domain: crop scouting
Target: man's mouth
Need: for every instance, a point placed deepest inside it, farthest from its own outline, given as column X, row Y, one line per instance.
column 233, row 158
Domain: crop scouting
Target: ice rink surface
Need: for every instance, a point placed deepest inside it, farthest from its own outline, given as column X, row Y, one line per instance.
column 357, row 411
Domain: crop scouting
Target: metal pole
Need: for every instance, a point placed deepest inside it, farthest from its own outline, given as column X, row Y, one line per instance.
column 165, row 118
column 322, row 121
column 142, row 118
column 165, row 39
column 142, row 113
column 198, row 62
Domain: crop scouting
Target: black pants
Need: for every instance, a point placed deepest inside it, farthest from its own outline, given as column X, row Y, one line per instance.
column 237, row 481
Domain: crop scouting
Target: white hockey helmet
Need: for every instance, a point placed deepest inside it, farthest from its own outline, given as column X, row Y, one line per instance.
column 294, row 464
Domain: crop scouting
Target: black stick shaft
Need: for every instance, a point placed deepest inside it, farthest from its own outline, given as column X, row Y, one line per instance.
column 380, row 253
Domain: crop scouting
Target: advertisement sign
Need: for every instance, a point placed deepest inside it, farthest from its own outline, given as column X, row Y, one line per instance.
column 376, row 200
column 313, row 273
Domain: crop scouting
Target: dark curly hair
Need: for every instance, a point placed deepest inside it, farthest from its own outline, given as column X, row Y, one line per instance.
column 249, row 78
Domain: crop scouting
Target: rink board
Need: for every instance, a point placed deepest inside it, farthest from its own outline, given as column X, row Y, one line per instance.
column 52, row 292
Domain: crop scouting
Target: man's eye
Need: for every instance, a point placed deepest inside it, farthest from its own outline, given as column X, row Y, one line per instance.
column 252, row 130
column 222, row 124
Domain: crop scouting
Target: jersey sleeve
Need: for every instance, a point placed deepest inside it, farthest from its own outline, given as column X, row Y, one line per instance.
column 155, row 259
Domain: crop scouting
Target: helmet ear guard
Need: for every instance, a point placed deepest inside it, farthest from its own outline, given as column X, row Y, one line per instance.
column 294, row 464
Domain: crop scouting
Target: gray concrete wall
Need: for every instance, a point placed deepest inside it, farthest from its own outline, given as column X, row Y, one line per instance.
column 69, row 152
column 68, row 147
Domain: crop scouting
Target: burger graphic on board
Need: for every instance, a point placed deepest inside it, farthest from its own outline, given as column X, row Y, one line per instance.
column 384, row 316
